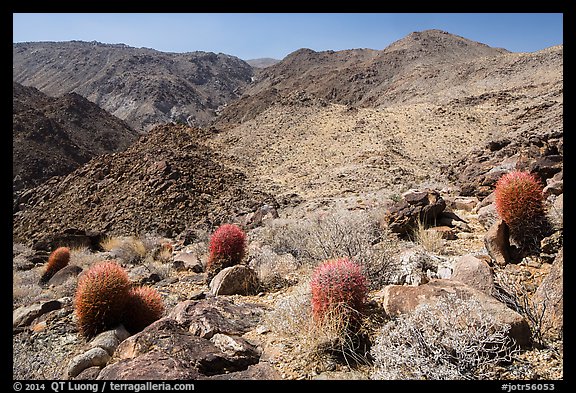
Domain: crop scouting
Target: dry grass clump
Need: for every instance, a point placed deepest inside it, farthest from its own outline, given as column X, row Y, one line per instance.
column 128, row 249
column 317, row 341
column 430, row 239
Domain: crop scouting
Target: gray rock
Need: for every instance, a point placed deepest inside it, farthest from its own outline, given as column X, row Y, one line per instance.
column 93, row 357
column 110, row 339
column 487, row 215
column 553, row 188
column 62, row 275
column 189, row 261
column 24, row 315
column 234, row 280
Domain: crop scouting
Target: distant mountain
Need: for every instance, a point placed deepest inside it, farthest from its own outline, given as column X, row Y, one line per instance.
column 262, row 63
column 365, row 77
column 55, row 135
column 142, row 86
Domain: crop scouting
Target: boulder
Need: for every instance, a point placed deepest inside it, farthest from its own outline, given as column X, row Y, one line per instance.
column 400, row 299
column 550, row 299
column 466, row 203
column 213, row 315
column 497, row 242
column 24, row 315
column 188, row 260
column 474, row 272
column 166, row 350
column 487, row 215
column 235, row 280
column 154, row 365
column 424, row 206
column 93, row 357
column 62, row 275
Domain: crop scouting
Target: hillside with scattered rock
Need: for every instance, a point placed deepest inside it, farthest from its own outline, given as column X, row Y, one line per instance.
column 164, row 183
column 52, row 136
column 383, row 161
column 141, row 86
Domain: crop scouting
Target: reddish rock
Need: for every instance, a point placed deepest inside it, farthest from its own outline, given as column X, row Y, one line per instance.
column 474, row 272
column 549, row 298
column 497, row 242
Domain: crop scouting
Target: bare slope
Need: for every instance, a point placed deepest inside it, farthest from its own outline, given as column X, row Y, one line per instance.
column 142, row 86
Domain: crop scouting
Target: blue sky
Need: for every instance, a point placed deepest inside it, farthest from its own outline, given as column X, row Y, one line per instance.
column 275, row 35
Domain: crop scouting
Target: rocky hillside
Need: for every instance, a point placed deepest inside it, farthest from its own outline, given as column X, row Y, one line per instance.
column 52, row 136
column 421, row 66
column 430, row 99
column 142, row 86
column 164, row 183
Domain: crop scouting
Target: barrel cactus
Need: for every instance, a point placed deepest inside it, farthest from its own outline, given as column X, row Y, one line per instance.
column 101, row 297
column 338, row 285
column 58, row 259
column 520, row 204
column 144, row 306
column 227, row 248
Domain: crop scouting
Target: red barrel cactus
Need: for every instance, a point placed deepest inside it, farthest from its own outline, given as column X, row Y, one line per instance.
column 58, row 259
column 338, row 283
column 520, row 204
column 101, row 297
column 227, row 248
column 144, row 306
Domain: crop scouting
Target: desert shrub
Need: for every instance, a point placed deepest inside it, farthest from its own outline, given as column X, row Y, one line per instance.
column 338, row 285
column 100, row 298
column 355, row 235
column 515, row 294
column 453, row 338
column 58, row 259
column 143, row 306
column 25, row 288
column 430, row 239
column 274, row 271
column 227, row 248
column 519, row 203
